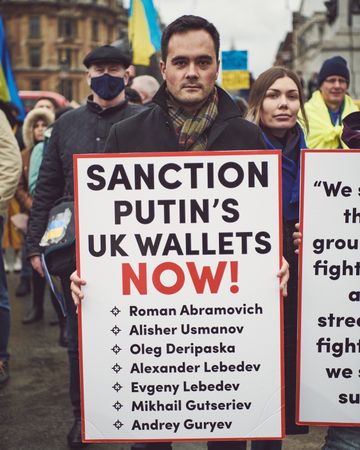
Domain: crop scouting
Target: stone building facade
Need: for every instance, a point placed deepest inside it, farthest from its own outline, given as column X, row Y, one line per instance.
column 48, row 39
column 322, row 30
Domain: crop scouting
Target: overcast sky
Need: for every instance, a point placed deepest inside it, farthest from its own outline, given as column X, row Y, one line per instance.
column 254, row 25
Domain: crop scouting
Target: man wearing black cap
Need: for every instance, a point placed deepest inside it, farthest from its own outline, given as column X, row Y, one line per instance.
column 329, row 105
column 83, row 130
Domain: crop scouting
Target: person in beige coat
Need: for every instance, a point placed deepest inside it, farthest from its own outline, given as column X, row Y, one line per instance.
column 10, row 170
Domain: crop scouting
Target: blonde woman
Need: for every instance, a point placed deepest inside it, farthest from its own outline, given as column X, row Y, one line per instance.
column 275, row 100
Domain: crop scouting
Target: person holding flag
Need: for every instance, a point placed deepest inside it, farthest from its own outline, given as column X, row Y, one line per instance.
column 8, row 89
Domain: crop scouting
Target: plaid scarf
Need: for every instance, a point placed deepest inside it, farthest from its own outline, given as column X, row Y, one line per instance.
column 192, row 130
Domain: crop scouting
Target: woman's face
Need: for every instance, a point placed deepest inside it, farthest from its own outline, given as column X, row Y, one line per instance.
column 39, row 130
column 280, row 106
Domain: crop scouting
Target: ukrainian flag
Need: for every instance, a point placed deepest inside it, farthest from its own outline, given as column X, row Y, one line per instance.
column 8, row 89
column 144, row 31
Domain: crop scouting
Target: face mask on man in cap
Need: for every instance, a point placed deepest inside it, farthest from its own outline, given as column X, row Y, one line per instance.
column 107, row 86
column 107, row 74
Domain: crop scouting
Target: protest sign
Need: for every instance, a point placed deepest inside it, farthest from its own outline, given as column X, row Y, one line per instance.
column 329, row 319
column 180, row 329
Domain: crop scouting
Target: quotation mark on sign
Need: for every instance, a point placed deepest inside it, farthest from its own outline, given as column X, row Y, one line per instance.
column 116, row 368
column 116, row 330
column 117, row 387
column 116, row 349
column 115, row 311
column 117, row 406
column 317, row 183
column 118, row 424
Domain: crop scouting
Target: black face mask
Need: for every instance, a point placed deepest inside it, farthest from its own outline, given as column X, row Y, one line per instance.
column 107, row 87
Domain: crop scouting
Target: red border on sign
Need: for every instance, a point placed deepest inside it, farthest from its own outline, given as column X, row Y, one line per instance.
column 298, row 371
column 76, row 157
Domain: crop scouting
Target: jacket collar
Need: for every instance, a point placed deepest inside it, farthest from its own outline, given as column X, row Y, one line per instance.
column 226, row 107
column 96, row 108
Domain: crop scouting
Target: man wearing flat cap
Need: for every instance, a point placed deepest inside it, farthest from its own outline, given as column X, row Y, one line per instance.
column 329, row 105
column 83, row 130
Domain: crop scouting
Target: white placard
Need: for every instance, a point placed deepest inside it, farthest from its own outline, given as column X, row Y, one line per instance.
column 329, row 344
column 181, row 323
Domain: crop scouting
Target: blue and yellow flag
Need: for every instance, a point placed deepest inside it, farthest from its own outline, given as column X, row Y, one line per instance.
column 144, row 31
column 235, row 75
column 8, row 89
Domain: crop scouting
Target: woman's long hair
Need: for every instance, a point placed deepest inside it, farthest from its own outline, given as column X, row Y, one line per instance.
column 263, row 83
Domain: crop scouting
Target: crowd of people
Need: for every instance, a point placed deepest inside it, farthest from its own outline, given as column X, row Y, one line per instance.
column 187, row 112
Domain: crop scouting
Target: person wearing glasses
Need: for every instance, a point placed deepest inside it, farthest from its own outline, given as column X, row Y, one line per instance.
column 329, row 105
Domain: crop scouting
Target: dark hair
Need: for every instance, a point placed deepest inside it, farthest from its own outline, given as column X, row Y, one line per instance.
column 10, row 110
column 51, row 100
column 132, row 96
column 59, row 112
column 242, row 104
column 262, row 84
column 187, row 23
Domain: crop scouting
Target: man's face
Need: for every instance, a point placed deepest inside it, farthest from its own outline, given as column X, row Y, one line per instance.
column 113, row 69
column 333, row 90
column 191, row 68
column 45, row 103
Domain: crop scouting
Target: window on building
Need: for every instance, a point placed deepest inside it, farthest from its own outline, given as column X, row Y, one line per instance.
column 66, row 89
column 65, row 58
column 35, row 85
column 35, row 56
column 332, row 10
column 95, row 30
column 67, row 28
column 355, row 6
column 34, row 27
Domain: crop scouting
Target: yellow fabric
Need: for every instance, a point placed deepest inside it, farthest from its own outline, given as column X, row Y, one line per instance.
column 322, row 133
column 4, row 91
column 12, row 237
column 139, row 35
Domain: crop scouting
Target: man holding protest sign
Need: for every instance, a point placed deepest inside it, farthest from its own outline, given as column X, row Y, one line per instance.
column 190, row 114
column 83, row 130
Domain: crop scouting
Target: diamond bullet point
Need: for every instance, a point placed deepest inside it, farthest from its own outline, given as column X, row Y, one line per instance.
column 118, row 424
column 116, row 349
column 116, row 368
column 117, row 387
column 115, row 311
column 116, row 330
column 117, row 406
